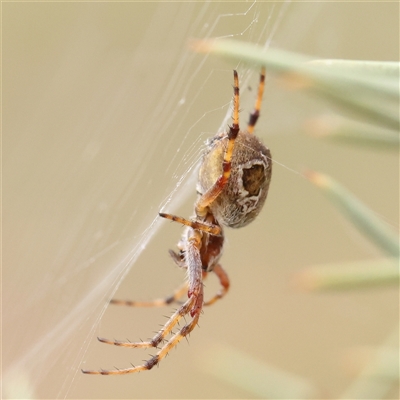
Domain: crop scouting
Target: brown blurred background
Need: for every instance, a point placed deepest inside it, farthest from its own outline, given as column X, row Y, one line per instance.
column 105, row 109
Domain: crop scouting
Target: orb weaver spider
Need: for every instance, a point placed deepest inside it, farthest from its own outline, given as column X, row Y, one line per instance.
column 232, row 187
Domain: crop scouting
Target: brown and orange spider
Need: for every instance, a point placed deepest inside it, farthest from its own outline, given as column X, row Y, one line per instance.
column 232, row 187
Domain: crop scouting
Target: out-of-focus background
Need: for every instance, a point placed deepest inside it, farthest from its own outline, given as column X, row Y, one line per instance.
column 105, row 114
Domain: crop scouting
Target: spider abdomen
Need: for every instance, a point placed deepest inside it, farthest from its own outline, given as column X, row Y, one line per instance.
column 244, row 195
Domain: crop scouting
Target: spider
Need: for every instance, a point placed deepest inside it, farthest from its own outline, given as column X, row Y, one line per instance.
column 232, row 187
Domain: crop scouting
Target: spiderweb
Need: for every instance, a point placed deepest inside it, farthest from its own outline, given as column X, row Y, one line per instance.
column 106, row 114
column 112, row 95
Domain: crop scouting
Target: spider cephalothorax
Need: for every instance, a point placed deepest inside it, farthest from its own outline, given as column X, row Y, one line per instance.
column 232, row 188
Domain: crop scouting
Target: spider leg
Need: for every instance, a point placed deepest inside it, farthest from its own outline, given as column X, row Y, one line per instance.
column 149, row 364
column 224, row 280
column 256, row 112
column 160, row 335
column 192, row 306
column 173, row 298
column 183, row 310
column 209, row 228
column 201, row 206
column 214, row 191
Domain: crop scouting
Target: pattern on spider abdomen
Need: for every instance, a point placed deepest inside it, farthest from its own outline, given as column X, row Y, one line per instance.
column 246, row 191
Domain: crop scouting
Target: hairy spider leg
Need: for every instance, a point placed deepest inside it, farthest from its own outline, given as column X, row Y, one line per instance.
column 208, row 197
column 192, row 306
column 256, row 112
